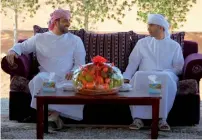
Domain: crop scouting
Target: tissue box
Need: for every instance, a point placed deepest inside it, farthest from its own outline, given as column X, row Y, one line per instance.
column 49, row 86
column 155, row 88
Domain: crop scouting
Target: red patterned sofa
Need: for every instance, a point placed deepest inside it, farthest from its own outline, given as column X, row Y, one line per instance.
column 116, row 47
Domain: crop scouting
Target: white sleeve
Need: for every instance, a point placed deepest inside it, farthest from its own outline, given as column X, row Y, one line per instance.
column 26, row 47
column 134, row 61
column 178, row 61
column 79, row 55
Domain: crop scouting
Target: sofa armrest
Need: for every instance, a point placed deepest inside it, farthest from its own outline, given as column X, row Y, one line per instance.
column 193, row 67
column 23, row 66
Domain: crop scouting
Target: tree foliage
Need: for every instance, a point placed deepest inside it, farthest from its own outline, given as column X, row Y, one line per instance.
column 28, row 6
column 85, row 13
column 174, row 10
column 17, row 7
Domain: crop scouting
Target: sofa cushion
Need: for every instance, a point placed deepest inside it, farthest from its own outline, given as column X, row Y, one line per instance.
column 188, row 86
column 179, row 37
column 190, row 47
column 20, row 84
column 38, row 29
column 116, row 47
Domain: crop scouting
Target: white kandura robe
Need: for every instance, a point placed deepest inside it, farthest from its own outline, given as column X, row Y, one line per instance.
column 59, row 54
column 162, row 58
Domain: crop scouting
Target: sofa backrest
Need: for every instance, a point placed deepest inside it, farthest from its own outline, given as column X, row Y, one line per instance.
column 190, row 47
column 116, row 47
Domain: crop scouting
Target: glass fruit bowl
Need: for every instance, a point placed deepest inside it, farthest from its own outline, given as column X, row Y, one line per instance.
column 97, row 78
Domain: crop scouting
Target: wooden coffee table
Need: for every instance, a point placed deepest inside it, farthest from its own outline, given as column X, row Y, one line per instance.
column 67, row 97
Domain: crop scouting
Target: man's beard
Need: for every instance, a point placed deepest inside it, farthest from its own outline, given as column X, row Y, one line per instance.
column 154, row 33
column 63, row 29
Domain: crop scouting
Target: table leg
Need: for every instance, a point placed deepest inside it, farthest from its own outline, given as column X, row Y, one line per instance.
column 40, row 117
column 155, row 119
column 45, row 118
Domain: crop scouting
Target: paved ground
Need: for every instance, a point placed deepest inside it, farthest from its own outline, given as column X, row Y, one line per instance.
column 4, row 106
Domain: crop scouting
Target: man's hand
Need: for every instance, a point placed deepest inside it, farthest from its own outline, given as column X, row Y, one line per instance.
column 10, row 57
column 126, row 81
column 69, row 76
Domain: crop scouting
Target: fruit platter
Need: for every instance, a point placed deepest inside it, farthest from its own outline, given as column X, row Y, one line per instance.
column 97, row 78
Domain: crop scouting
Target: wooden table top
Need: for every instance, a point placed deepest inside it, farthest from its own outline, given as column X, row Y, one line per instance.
column 73, row 95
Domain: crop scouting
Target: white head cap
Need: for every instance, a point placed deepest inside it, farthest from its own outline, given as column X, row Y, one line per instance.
column 161, row 21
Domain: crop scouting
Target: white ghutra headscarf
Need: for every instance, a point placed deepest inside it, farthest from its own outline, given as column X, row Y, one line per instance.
column 161, row 21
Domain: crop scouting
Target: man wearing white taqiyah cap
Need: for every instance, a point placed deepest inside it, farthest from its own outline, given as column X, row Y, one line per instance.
column 57, row 51
column 157, row 55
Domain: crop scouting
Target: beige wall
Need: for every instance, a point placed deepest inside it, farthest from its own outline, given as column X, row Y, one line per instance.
column 193, row 24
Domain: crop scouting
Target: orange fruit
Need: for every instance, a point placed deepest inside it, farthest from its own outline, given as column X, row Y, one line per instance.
column 100, row 80
column 106, row 86
column 105, row 69
column 83, row 81
column 83, row 73
column 104, row 74
column 92, row 72
column 89, row 85
column 107, row 80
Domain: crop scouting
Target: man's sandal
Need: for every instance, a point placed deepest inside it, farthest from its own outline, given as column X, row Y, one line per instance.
column 163, row 126
column 55, row 121
column 137, row 124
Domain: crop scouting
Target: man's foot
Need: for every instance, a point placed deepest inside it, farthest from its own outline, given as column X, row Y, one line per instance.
column 67, row 120
column 55, row 121
column 137, row 124
column 163, row 126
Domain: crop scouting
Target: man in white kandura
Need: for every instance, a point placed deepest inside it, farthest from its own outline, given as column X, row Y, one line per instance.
column 57, row 51
column 157, row 55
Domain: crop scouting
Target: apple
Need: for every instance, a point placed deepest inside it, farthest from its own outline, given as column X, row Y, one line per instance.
column 89, row 78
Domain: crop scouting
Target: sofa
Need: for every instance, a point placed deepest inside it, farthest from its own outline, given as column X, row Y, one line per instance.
column 116, row 47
